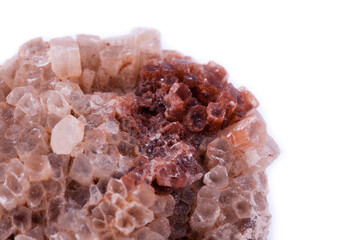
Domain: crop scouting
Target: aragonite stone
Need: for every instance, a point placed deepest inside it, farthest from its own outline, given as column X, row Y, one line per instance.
column 118, row 139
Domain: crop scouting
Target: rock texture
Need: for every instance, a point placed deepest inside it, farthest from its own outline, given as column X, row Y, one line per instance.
column 119, row 139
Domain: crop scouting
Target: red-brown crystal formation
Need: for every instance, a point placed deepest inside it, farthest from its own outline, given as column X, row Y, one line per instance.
column 119, row 139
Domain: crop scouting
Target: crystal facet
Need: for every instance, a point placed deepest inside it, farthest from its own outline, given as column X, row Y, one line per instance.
column 118, row 139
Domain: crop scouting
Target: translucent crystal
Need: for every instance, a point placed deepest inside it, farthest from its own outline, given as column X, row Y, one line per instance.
column 35, row 194
column 246, row 133
column 54, row 103
column 6, row 227
column 72, row 214
column 149, row 45
column 87, row 80
column 146, row 233
column 205, row 215
column 55, row 209
column 22, row 218
column 34, row 141
column 242, row 208
column 17, row 93
column 16, row 167
column 82, row 170
column 225, row 232
column 59, row 165
column 52, row 187
column 217, row 177
column 89, row 52
column 118, row 139
column 161, row 226
column 36, row 233
column 144, row 194
column 124, row 222
column 3, row 168
column 227, row 215
column 38, row 167
column 117, row 186
column 8, row 70
column 23, row 237
column 31, row 48
column 104, row 165
column 66, row 135
column 229, row 196
column 29, row 105
column 13, row 184
column 208, row 193
column 95, row 195
column 164, row 205
column 65, row 58
column 7, row 198
column 140, row 213
column 116, row 52
column 69, row 90
column 4, row 90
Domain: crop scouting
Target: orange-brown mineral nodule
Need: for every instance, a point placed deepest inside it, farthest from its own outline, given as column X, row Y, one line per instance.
column 119, row 139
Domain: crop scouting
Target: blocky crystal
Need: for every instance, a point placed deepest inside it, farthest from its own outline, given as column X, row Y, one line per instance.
column 118, row 139
column 65, row 58
column 66, row 135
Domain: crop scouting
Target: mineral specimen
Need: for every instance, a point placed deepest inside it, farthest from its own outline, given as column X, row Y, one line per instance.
column 119, row 139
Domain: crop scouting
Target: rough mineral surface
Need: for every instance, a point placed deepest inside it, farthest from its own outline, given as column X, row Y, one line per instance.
column 119, row 139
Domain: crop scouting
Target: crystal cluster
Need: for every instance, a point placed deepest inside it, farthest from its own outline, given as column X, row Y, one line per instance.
column 119, row 139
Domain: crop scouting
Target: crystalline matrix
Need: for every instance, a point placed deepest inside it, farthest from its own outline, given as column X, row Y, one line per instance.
column 119, row 139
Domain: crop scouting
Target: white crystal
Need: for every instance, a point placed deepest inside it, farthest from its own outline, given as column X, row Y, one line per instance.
column 66, row 135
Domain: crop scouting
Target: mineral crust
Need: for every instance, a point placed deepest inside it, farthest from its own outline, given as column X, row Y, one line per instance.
column 119, row 139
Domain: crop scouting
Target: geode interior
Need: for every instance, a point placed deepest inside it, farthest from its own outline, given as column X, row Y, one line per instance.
column 119, row 139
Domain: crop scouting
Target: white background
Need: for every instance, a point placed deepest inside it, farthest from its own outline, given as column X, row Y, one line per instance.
column 300, row 58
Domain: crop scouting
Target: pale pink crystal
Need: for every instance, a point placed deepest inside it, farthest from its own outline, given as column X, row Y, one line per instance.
column 87, row 80
column 6, row 227
column 38, row 167
column 55, row 103
column 29, row 105
column 144, row 194
column 125, row 223
column 116, row 53
column 35, row 194
column 7, row 198
column 146, row 233
column 17, row 93
column 142, row 214
column 205, row 215
column 82, row 170
column 119, row 139
column 8, row 71
column 161, row 226
column 22, row 218
column 65, row 58
column 217, row 177
column 66, row 135
column 89, row 52
column 164, row 205
column 23, row 237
